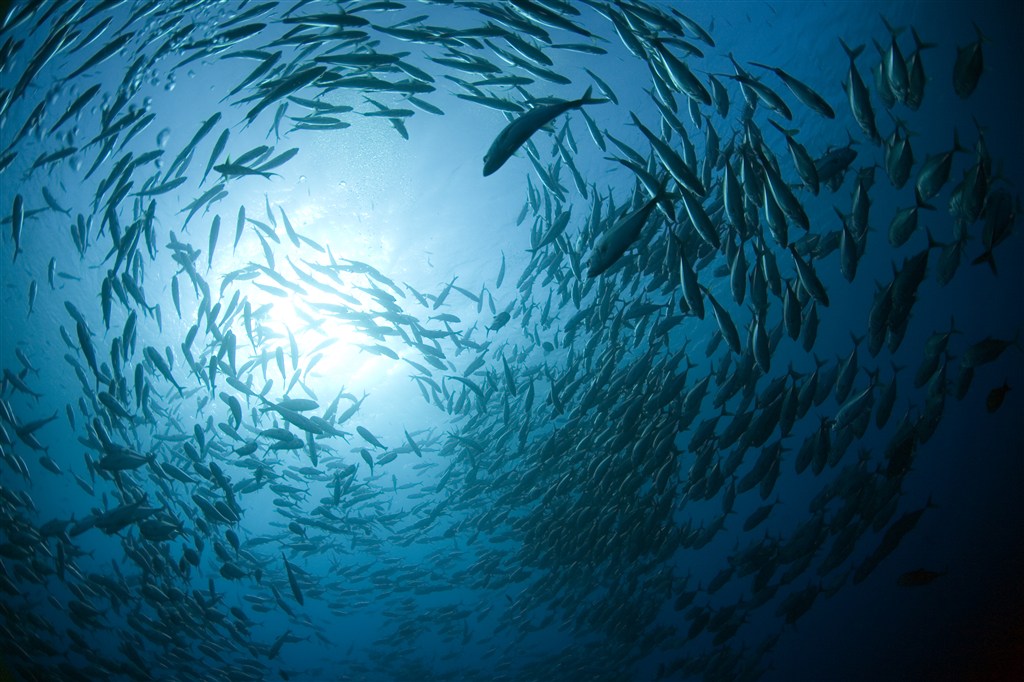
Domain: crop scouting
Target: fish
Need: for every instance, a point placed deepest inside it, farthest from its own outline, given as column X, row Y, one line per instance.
column 682, row 77
column 904, row 221
column 860, row 98
column 935, row 170
column 809, row 278
column 218, row 148
column 102, row 54
column 500, row 320
column 369, row 437
column 76, row 107
column 803, row 92
column 296, row 590
column 522, row 128
column 607, row 429
column 692, row 293
column 899, row 156
column 161, row 366
column 894, row 66
column 987, row 350
column 725, row 323
column 677, row 167
column 1000, row 213
column 17, row 224
column 970, row 63
column 763, row 93
column 616, row 240
column 805, row 166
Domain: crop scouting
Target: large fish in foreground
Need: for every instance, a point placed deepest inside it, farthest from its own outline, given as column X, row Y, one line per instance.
column 519, row 131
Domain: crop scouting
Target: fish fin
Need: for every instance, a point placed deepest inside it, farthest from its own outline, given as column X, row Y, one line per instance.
column 981, row 36
column 894, row 31
column 920, row 44
column 788, row 132
column 587, row 99
column 851, row 53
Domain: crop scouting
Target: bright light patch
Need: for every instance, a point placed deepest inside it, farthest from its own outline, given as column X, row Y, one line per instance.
column 313, row 319
column 327, row 350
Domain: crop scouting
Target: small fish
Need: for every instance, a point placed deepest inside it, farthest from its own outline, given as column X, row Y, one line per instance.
column 809, row 278
column 969, row 65
column 17, row 222
column 76, row 106
column 369, row 437
column 237, row 170
column 33, row 290
column 296, row 591
column 500, row 320
column 218, row 147
column 366, row 458
column 802, row 91
column 935, row 170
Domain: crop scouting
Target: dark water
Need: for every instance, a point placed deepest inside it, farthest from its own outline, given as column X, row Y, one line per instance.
column 540, row 504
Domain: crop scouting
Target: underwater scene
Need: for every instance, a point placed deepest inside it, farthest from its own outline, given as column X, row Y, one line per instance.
column 511, row 340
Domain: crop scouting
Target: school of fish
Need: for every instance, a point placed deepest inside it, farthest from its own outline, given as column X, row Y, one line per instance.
column 602, row 404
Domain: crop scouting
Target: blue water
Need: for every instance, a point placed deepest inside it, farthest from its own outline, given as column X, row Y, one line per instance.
column 557, row 541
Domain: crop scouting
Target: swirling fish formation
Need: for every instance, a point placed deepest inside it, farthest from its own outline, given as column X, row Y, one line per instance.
column 595, row 433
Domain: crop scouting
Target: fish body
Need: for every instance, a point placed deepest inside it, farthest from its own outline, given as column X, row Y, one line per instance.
column 521, row 129
column 803, row 92
column 617, row 239
column 968, row 67
column 935, row 170
column 17, row 223
column 809, row 278
column 860, row 98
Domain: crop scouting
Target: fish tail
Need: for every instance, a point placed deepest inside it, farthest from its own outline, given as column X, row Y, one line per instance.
column 852, row 53
column 587, row 99
column 784, row 131
column 894, row 31
column 918, row 43
column 957, row 147
column 986, row 257
column 952, row 325
column 981, row 36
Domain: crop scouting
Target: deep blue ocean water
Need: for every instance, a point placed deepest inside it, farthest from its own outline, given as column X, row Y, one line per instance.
column 555, row 541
